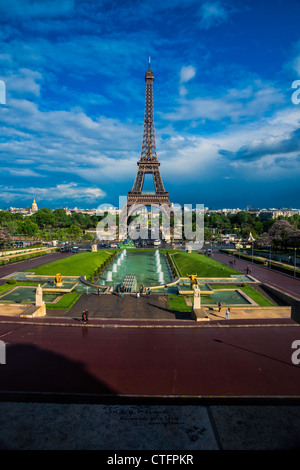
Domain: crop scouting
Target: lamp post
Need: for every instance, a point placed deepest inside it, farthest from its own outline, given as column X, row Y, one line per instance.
column 270, row 258
column 295, row 262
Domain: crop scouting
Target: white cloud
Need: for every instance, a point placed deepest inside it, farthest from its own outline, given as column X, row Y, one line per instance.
column 68, row 191
column 233, row 105
column 23, row 82
column 187, row 73
column 212, row 14
column 67, row 142
column 21, row 172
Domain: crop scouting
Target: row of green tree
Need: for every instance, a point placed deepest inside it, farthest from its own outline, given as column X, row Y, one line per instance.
column 242, row 223
column 48, row 224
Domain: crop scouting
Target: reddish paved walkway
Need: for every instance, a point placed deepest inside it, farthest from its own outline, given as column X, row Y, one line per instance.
column 149, row 359
column 152, row 359
column 31, row 263
column 265, row 275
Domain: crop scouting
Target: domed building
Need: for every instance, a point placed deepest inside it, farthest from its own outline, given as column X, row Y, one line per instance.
column 34, row 206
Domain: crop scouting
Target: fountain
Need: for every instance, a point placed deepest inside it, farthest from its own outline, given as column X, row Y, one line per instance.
column 161, row 277
column 114, row 268
column 109, row 276
column 145, row 266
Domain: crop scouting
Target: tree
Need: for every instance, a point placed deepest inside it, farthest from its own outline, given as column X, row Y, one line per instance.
column 62, row 234
column 207, row 234
column 246, row 232
column 294, row 241
column 61, row 219
column 29, row 228
column 241, row 218
column 263, row 239
column 88, row 236
column 74, row 231
column 281, row 233
column 4, row 234
column 43, row 217
column 12, row 226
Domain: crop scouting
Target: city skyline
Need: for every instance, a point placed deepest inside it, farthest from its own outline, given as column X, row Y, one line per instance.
column 226, row 127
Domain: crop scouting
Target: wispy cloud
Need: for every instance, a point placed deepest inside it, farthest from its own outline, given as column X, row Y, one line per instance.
column 235, row 104
column 212, row 14
column 187, row 73
column 67, row 191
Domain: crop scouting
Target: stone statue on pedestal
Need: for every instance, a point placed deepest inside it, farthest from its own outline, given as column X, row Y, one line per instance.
column 198, row 312
column 39, row 296
column 197, row 298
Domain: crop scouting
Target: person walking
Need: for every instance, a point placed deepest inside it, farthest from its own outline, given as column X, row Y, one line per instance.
column 219, row 306
column 84, row 316
column 227, row 313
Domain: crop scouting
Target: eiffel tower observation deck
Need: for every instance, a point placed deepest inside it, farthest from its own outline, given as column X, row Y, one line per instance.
column 148, row 163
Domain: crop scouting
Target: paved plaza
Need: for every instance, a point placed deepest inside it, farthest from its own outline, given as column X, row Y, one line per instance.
column 138, row 376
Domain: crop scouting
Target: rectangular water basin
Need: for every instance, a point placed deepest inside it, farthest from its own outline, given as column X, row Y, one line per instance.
column 143, row 265
column 226, row 297
column 26, row 295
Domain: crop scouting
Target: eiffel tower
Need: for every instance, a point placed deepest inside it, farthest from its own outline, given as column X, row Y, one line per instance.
column 148, row 163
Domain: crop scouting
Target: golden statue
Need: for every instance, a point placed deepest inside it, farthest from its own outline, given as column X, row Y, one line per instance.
column 58, row 279
column 193, row 278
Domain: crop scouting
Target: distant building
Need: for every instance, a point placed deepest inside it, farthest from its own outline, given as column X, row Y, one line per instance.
column 34, row 206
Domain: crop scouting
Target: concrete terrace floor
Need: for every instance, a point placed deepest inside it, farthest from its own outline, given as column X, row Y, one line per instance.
column 158, row 427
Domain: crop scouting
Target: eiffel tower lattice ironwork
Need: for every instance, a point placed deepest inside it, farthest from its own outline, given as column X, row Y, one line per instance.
column 148, row 163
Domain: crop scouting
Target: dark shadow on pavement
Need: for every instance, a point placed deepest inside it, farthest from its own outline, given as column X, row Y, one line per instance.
column 32, row 370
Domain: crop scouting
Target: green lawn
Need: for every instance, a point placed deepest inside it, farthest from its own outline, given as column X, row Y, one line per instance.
column 81, row 264
column 194, row 263
column 66, row 302
column 177, row 303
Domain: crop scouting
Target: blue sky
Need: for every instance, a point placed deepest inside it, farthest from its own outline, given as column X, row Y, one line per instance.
column 227, row 131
